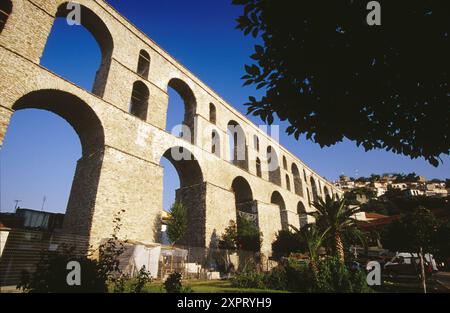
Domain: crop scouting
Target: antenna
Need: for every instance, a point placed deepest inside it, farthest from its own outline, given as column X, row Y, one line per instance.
column 16, row 206
column 43, row 203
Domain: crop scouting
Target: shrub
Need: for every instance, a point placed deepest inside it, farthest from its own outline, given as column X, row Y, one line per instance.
column 286, row 243
column 141, row 280
column 51, row 274
column 333, row 276
column 173, row 284
column 249, row 278
column 276, row 279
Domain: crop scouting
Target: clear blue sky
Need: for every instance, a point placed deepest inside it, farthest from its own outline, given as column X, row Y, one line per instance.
column 41, row 149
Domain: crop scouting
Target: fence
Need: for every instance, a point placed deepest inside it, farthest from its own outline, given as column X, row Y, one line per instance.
column 22, row 251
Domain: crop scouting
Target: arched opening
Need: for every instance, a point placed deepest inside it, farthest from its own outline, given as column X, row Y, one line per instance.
column 183, row 183
column 258, row 167
column 303, row 217
column 83, row 182
column 181, row 95
column 243, row 195
column 139, row 100
column 314, row 189
column 298, row 187
column 246, row 215
column 309, row 196
column 143, row 67
column 273, row 166
column 80, row 65
column 278, row 200
column 212, row 113
column 327, row 194
column 237, row 145
column 5, row 12
column 256, row 142
column 215, row 143
column 288, row 183
column 285, row 166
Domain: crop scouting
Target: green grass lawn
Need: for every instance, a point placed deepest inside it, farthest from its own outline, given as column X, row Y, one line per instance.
column 207, row 286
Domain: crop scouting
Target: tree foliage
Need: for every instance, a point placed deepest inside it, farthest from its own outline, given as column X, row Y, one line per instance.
column 243, row 235
column 414, row 230
column 335, row 220
column 331, row 76
column 177, row 224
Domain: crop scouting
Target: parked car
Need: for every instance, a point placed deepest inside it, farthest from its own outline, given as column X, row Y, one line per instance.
column 409, row 264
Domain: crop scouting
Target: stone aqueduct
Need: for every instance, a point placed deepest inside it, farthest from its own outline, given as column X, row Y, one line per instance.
column 121, row 125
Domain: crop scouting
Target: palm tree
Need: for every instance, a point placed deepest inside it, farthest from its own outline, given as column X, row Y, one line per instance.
column 335, row 219
column 313, row 239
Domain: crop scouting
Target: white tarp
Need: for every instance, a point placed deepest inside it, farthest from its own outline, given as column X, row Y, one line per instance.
column 148, row 257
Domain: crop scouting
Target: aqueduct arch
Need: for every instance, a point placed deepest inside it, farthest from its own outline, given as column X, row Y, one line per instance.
column 95, row 25
column 189, row 193
column 90, row 131
column 120, row 168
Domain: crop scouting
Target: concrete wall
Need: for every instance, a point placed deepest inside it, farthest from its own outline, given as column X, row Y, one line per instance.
column 120, row 167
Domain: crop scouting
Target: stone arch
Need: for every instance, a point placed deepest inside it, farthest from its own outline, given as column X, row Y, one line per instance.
column 314, row 189
column 256, row 142
column 308, row 195
column 95, row 25
column 298, row 186
column 237, row 145
column 258, row 168
column 5, row 11
column 328, row 194
column 191, row 193
column 285, row 165
column 190, row 103
column 143, row 68
column 215, row 143
column 139, row 100
column 212, row 113
column 71, row 108
column 273, row 166
column 87, row 125
column 301, row 211
column 278, row 200
column 246, row 212
column 288, row 182
column 242, row 193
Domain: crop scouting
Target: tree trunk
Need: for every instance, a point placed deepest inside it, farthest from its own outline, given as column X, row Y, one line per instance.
column 422, row 269
column 314, row 270
column 339, row 246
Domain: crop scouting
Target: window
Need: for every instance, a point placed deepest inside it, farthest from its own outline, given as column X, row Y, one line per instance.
column 143, row 68
column 215, row 143
column 237, row 145
column 212, row 113
column 5, row 11
column 273, row 166
column 298, row 187
column 258, row 167
column 139, row 100
column 256, row 142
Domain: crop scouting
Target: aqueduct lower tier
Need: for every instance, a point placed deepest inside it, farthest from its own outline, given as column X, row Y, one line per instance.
column 121, row 125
